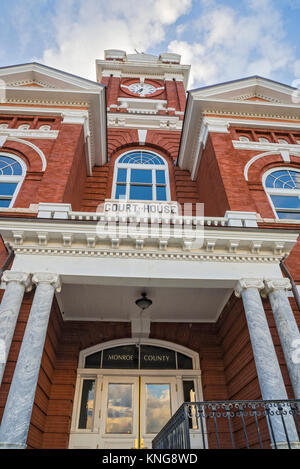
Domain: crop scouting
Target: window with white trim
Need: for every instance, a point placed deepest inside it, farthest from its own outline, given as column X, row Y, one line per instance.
column 283, row 188
column 141, row 175
column 12, row 172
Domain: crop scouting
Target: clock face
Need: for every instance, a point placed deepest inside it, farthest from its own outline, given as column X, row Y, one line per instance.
column 142, row 89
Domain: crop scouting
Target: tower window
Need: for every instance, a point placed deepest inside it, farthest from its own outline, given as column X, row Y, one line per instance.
column 141, row 175
column 283, row 189
column 12, row 171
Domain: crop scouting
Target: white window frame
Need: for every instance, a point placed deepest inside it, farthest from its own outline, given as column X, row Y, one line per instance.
column 284, row 192
column 153, row 167
column 14, row 179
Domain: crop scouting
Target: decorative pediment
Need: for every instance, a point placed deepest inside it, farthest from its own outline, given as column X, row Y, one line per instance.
column 35, row 85
column 256, row 98
column 247, row 89
column 40, row 76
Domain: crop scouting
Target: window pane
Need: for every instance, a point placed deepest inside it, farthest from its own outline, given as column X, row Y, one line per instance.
column 140, row 192
column 9, row 167
column 143, row 176
column 7, row 188
column 161, row 193
column 5, row 202
column 119, row 409
column 120, row 191
column 158, row 407
column 93, row 361
column 141, row 157
column 157, row 358
column 284, row 179
column 282, row 201
column 121, row 357
column 289, row 215
column 189, row 395
column 184, row 362
column 160, row 177
column 87, row 404
column 122, row 174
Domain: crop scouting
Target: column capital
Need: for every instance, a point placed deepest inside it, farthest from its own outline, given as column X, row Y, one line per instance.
column 245, row 283
column 49, row 278
column 278, row 284
column 20, row 277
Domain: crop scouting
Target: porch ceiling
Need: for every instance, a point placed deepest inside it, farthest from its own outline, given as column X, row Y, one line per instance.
column 117, row 303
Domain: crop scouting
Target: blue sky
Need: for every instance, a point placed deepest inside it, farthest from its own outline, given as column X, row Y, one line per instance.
column 221, row 39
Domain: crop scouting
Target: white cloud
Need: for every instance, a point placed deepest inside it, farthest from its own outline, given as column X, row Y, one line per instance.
column 230, row 45
column 85, row 28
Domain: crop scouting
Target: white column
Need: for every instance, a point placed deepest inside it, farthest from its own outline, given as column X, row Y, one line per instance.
column 18, row 409
column 267, row 366
column 286, row 326
column 16, row 284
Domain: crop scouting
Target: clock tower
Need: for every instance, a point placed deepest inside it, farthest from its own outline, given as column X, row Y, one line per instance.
column 146, row 97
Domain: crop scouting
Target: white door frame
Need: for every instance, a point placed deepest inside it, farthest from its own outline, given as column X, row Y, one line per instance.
column 80, row 438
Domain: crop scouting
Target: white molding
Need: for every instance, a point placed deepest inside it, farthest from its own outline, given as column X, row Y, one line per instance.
column 262, row 155
column 274, row 147
column 23, row 236
column 16, row 179
column 31, row 133
column 269, row 191
column 153, row 168
column 145, row 341
column 142, row 121
column 34, row 147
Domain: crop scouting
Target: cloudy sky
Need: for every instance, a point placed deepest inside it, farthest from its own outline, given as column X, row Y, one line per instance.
column 221, row 39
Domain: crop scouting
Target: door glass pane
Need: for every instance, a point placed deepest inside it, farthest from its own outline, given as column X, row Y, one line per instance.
column 119, row 409
column 140, row 192
column 158, row 406
column 87, row 404
column 189, row 395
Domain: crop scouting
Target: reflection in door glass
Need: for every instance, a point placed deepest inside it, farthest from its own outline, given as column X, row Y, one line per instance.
column 87, row 404
column 119, row 408
column 158, row 407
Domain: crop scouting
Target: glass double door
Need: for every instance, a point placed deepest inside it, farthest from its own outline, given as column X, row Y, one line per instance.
column 134, row 410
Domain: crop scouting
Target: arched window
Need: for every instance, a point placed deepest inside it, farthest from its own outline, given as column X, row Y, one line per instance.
column 12, row 172
column 141, row 175
column 283, row 188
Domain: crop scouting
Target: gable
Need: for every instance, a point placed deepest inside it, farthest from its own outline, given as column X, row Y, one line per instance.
column 40, row 76
column 247, row 89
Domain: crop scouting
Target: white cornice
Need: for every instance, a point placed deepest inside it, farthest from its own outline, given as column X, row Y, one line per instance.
column 93, row 119
column 143, row 121
column 69, row 238
column 271, row 147
column 30, row 133
column 152, row 69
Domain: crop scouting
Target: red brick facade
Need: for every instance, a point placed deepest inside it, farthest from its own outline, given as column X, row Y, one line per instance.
column 226, row 358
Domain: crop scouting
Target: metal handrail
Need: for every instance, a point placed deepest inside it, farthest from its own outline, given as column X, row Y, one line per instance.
column 233, row 425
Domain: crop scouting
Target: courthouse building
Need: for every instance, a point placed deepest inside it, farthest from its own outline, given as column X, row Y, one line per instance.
column 121, row 299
